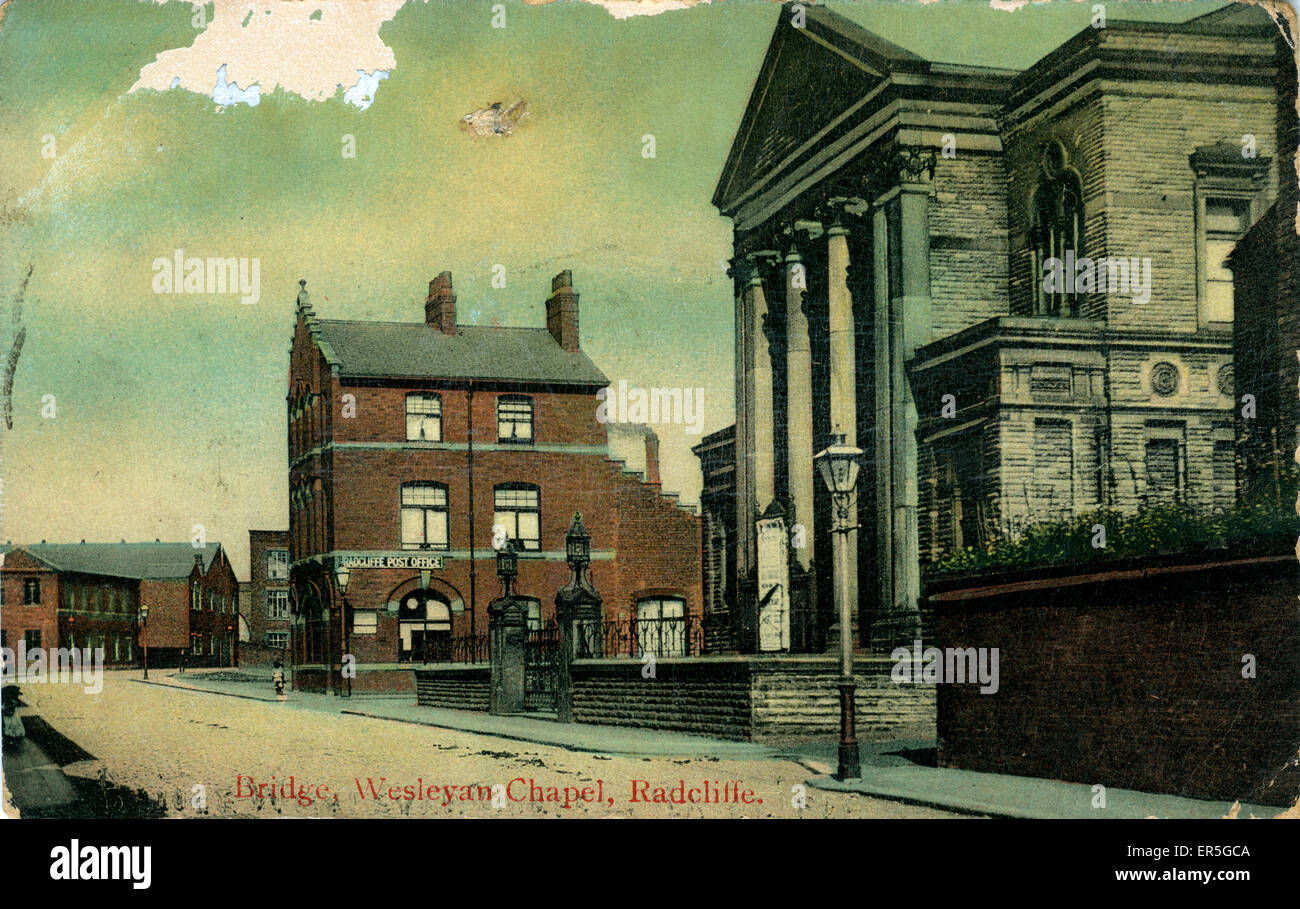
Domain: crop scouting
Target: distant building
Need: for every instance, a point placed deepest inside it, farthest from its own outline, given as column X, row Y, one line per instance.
column 903, row 232
column 265, row 603
column 717, row 454
column 90, row 595
column 414, row 447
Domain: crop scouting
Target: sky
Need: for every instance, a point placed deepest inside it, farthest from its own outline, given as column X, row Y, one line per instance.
column 133, row 128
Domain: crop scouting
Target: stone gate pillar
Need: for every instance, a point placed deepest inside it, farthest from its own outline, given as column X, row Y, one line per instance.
column 508, row 632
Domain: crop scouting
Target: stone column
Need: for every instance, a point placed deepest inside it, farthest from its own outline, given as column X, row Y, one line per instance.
column 883, row 449
column 762, row 451
column 744, row 402
column 844, row 378
column 910, row 328
column 798, row 377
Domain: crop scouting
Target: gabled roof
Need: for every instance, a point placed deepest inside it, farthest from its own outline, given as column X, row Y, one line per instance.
column 143, row 561
column 419, row 351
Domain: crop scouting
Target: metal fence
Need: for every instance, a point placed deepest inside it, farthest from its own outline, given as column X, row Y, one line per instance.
column 469, row 648
column 635, row 638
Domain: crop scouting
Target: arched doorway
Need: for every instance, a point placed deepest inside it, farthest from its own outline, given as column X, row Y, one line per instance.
column 424, row 625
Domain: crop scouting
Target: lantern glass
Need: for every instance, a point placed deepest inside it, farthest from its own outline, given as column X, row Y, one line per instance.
column 507, row 561
column 838, row 465
column 577, row 542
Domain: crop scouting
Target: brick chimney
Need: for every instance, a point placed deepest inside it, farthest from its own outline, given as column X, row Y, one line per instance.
column 562, row 311
column 652, row 457
column 440, row 305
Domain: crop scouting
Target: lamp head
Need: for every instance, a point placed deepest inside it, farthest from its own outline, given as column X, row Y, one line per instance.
column 838, row 465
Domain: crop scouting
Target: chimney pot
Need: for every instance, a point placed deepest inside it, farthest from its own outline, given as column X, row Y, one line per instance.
column 562, row 311
column 440, row 305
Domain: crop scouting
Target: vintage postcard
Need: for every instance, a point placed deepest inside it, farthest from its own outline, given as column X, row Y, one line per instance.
column 421, row 409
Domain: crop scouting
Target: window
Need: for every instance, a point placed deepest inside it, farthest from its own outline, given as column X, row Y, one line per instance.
column 31, row 591
column 424, row 418
column 661, row 626
column 424, row 516
column 212, row 645
column 1225, row 221
column 1053, row 472
column 1056, row 230
column 277, row 604
column 365, row 622
column 195, row 602
column 277, row 564
column 32, row 639
column 534, row 615
column 518, row 510
column 514, row 418
column 424, row 627
column 277, row 640
column 1166, row 464
column 1225, row 475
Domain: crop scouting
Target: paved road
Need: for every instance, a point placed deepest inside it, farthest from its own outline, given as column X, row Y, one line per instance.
column 202, row 754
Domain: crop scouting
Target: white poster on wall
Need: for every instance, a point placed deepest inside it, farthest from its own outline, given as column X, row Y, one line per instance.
column 773, row 585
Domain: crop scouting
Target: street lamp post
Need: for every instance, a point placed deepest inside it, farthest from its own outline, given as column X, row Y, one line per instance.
column 342, row 575
column 838, row 465
column 144, row 635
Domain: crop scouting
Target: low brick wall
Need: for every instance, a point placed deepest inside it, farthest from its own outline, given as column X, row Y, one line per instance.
column 458, row 687
column 1133, row 679
column 773, row 699
column 702, row 695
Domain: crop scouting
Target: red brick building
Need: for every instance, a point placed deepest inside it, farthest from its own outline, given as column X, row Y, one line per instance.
column 264, row 601
column 90, row 594
column 413, row 446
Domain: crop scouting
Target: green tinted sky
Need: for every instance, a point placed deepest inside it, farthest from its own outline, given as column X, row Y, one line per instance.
column 171, row 408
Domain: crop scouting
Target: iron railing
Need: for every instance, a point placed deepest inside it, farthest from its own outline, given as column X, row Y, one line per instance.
column 635, row 638
column 469, row 648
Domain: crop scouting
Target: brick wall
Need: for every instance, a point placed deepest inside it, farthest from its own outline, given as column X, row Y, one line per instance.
column 1134, row 680
column 459, row 687
column 16, row 619
column 776, row 699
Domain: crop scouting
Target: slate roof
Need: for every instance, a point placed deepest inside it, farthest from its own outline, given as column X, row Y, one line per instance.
column 417, row 350
column 145, row 561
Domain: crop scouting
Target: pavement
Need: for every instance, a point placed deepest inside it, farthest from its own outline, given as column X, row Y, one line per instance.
column 901, row 771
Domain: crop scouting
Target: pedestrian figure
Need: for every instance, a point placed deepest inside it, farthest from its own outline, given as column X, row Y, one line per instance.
column 14, row 732
column 277, row 679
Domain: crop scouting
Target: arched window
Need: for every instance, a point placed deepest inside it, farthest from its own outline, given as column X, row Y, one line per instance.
column 1056, row 234
column 515, row 419
column 424, row 516
column 424, row 626
column 518, row 508
column 424, row 418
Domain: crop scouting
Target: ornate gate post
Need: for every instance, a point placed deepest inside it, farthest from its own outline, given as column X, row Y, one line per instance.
column 508, row 636
column 578, row 613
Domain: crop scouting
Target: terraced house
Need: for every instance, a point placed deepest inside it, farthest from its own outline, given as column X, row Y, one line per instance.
column 417, row 448
column 1006, row 286
column 94, row 595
